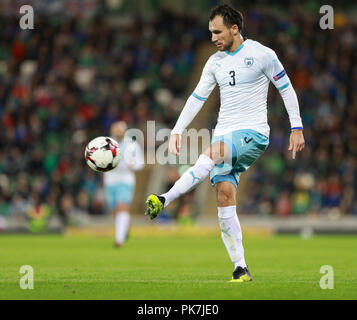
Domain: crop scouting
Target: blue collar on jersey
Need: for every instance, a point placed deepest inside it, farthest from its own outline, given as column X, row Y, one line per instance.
column 233, row 53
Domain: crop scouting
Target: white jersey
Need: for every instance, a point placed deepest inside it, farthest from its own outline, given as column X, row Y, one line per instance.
column 132, row 159
column 243, row 77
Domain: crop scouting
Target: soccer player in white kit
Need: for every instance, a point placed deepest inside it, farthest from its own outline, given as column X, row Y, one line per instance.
column 119, row 183
column 243, row 69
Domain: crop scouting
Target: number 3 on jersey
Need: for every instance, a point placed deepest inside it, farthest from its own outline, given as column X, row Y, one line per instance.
column 233, row 76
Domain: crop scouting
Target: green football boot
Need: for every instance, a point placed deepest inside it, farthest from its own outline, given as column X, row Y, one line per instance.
column 154, row 205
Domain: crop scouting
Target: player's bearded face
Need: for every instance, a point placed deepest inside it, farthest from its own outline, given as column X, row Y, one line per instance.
column 225, row 40
column 222, row 36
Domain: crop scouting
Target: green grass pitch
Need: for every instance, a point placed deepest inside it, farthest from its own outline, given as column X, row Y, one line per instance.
column 176, row 267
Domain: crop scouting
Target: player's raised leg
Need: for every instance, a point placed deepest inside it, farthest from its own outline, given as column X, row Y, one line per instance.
column 216, row 153
column 231, row 231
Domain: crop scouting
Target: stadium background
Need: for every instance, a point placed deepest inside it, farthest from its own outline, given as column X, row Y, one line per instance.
column 89, row 63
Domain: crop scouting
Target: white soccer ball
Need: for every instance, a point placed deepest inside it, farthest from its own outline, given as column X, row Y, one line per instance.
column 102, row 154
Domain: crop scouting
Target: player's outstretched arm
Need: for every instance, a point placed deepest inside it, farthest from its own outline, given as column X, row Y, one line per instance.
column 193, row 105
column 277, row 75
column 297, row 142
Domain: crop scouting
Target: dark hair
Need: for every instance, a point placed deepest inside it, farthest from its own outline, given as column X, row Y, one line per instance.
column 230, row 15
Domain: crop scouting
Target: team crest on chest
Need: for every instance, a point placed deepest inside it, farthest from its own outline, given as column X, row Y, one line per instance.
column 249, row 61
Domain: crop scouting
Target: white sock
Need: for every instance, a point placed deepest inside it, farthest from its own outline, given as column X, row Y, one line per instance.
column 232, row 234
column 193, row 176
column 122, row 223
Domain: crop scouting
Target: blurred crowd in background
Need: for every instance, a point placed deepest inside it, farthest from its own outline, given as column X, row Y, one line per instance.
column 66, row 82
column 69, row 79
